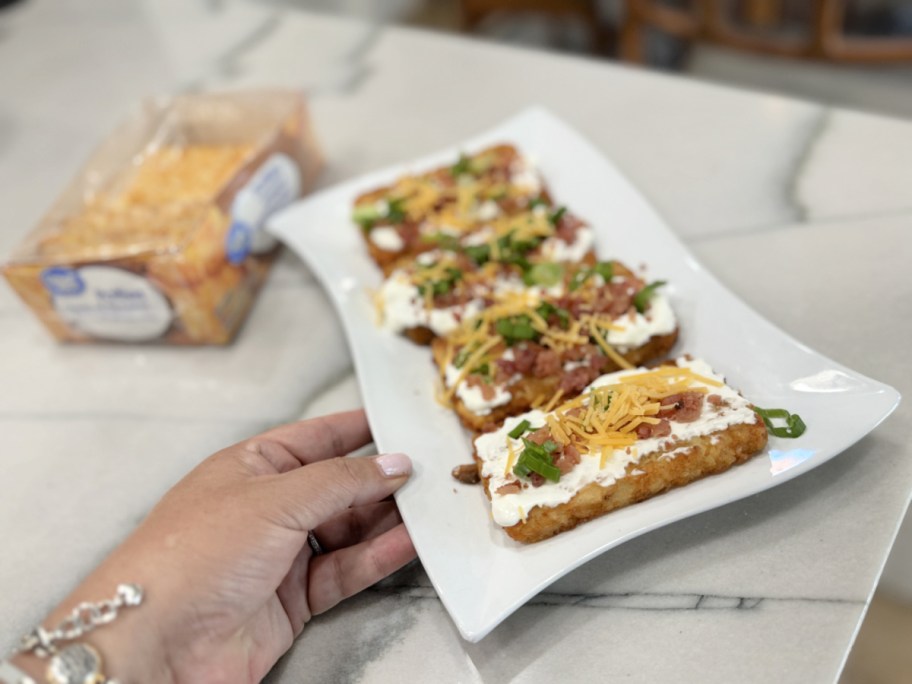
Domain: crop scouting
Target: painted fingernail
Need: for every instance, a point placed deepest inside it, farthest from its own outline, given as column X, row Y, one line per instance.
column 394, row 465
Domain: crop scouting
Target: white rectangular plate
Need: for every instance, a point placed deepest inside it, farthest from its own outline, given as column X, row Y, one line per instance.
column 480, row 574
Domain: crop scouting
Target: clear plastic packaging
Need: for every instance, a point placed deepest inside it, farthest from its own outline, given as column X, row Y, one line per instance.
column 159, row 237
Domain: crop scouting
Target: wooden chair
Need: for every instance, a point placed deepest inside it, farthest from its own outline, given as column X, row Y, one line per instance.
column 476, row 11
column 708, row 20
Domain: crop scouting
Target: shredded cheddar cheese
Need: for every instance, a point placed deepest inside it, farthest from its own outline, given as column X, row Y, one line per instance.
column 511, row 457
column 609, row 350
column 553, row 401
column 607, row 417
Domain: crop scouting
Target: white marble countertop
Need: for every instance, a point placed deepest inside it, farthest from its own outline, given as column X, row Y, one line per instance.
column 801, row 210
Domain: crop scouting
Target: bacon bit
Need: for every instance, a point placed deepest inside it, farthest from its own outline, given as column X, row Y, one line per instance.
column 487, row 389
column 536, row 479
column 685, row 407
column 568, row 458
column 467, row 474
column 546, row 363
column 567, row 226
column 524, row 356
column 660, row 429
column 597, row 362
column 540, row 436
column 509, row 488
column 575, row 380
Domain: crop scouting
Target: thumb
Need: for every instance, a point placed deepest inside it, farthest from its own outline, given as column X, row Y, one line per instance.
column 303, row 498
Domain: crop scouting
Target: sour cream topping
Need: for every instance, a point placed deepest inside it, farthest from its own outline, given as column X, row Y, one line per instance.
column 404, row 307
column 510, row 509
column 473, row 396
column 523, row 175
column 387, row 238
column 555, row 249
column 487, row 210
column 635, row 329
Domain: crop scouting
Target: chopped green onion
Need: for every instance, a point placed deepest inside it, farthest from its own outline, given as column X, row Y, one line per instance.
column 641, row 298
column 443, row 240
column 396, row 211
column 546, row 309
column 464, row 165
column 369, row 215
column 444, row 285
column 538, row 202
column 604, row 269
column 557, row 215
column 580, row 277
column 546, row 274
column 794, row 426
column 463, row 355
column 366, row 216
column 537, row 458
column 520, row 429
column 480, row 254
column 515, row 328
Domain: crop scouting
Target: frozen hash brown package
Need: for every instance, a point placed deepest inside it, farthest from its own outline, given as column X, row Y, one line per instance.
column 159, row 238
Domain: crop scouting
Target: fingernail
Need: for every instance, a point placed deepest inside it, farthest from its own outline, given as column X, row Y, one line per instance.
column 394, row 465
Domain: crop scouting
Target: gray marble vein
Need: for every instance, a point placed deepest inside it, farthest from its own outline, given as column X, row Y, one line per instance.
column 814, row 138
column 652, row 601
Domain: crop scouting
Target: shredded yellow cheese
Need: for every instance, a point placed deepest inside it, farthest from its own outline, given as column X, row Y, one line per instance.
column 553, row 401
column 511, row 456
column 377, row 300
column 469, row 365
column 610, row 351
column 606, row 418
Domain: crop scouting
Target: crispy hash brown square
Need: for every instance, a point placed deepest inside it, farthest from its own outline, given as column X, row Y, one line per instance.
column 431, row 294
column 536, row 346
column 632, row 435
column 420, row 212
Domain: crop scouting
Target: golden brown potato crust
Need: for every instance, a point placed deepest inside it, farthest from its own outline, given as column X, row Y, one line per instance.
column 708, row 455
column 527, row 390
column 504, row 154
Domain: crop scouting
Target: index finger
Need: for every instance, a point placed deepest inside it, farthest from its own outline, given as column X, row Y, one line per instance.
column 318, row 439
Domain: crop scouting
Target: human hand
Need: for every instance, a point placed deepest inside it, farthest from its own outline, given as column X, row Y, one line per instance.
column 229, row 576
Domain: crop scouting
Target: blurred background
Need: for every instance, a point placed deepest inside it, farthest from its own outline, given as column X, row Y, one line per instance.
column 848, row 53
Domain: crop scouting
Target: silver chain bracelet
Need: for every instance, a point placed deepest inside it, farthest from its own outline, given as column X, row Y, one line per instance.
column 77, row 663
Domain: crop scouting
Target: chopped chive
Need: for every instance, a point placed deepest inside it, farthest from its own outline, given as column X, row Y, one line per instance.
column 537, row 458
column 366, row 216
column 641, row 298
column 445, row 241
column 396, row 211
column 463, row 355
column 444, row 285
column 480, row 254
column 546, row 274
column 516, row 328
column 464, row 165
column 519, row 430
column 794, row 426
column 604, row 269
column 557, row 215
column 546, row 309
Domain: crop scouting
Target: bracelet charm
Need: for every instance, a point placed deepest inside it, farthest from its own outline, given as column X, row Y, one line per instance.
column 76, row 664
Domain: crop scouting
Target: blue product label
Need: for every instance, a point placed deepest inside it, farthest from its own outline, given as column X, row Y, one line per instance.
column 238, row 242
column 62, row 281
column 274, row 185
